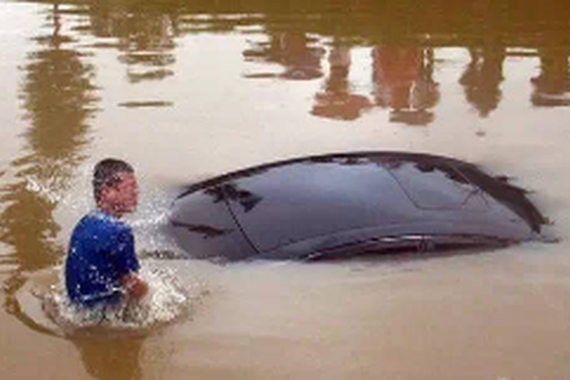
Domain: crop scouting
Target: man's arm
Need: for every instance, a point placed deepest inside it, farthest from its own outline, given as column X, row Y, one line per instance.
column 134, row 285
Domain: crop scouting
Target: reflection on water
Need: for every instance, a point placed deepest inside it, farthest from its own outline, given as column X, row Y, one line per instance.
column 336, row 100
column 552, row 86
column 482, row 78
column 362, row 63
column 143, row 35
column 292, row 42
column 292, row 49
column 403, row 83
column 58, row 98
column 111, row 358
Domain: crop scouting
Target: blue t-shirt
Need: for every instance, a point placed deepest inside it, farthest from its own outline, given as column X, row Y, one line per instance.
column 101, row 251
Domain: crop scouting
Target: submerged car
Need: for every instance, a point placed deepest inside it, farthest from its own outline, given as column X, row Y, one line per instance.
column 350, row 205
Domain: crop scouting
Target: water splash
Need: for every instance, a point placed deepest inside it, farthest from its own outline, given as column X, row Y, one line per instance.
column 168, row 301
column 35, row 185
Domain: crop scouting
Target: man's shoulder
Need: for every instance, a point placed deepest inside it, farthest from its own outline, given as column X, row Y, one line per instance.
column 100, row 223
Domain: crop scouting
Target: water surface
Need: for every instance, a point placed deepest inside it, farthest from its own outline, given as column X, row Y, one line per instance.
column 185, row 90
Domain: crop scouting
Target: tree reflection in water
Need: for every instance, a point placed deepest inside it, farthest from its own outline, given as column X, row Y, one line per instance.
column 146, row 35
column 296, row 32
column 59, row 98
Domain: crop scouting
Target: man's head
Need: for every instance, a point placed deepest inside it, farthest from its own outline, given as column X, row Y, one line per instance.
column 115, row 187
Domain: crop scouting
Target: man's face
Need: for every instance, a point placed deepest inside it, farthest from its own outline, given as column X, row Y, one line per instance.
column 124, row 196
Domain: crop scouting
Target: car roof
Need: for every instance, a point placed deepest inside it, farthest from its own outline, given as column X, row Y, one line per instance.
column 289, row 203
column 315, row 198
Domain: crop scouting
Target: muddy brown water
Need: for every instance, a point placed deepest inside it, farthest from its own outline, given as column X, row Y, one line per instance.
column 186, row 90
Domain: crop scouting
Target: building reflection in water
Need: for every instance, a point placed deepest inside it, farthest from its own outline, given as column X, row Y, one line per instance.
column 551, row 88
column 482, row 78
column 58, row 96
column 294, row 50
column 403, row 82
column 336, row 101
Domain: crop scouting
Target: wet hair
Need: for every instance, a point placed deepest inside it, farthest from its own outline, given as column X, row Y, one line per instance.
column 106, row 173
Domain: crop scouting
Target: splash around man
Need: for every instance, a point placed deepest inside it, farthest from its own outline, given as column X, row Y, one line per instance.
column 102, row 266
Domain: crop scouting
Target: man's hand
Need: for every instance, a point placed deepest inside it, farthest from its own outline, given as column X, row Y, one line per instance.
column 134, row 285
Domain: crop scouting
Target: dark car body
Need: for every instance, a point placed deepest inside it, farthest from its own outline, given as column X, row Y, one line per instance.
column 346, row 205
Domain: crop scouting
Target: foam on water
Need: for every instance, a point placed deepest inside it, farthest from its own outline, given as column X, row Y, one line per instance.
column 168, row 301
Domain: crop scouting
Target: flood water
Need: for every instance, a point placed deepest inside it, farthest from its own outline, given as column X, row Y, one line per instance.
column 185, row 90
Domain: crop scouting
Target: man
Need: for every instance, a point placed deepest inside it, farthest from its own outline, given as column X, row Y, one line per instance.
column 102, row 266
